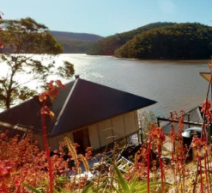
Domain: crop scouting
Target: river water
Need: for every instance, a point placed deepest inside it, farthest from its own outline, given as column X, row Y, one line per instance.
column 175, row 85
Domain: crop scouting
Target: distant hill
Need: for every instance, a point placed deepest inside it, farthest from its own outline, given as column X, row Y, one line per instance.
column 75, row 42
column 179, row 41
column 108, row 45
column 77, row 36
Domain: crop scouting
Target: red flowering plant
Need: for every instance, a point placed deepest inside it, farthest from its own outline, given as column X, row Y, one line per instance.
column 22, row 160
column 140, row 163
column 145, row 160
column 198, row 144
column 179, row 152
column 19, row 160
column 200, row 147
column 206, row 110
column 5, row 170
column 157, row 137
column 52, row 92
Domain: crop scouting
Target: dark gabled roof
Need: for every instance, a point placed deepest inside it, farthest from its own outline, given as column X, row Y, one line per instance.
column 89, row 103
column 80, row 104
column 25, row 114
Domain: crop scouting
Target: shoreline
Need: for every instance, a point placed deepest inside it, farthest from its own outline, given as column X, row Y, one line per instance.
column 163, row 60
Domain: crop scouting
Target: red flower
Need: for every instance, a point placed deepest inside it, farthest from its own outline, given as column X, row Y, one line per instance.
column 45, row 110
column 197, row 143
column 1, row 45
column 206, row 106
column 4, row 168
column 17, row 183
column 59, row 84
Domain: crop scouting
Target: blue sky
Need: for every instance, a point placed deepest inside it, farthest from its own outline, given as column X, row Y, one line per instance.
column 107, row 17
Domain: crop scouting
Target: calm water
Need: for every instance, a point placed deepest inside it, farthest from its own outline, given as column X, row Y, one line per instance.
column 174, row 85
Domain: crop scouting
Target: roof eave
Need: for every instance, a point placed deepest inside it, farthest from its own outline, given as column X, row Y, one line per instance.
column 91, row 123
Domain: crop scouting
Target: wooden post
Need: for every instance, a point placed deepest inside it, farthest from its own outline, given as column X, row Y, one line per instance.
column 209, row 133
column 125, row 132
column 171, row 115
column 138, row 137
column 99, row 135
column 158, row 122
column 188, row 119
column 111, row 124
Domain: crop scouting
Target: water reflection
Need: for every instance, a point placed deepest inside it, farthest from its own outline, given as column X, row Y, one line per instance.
column 175, row 85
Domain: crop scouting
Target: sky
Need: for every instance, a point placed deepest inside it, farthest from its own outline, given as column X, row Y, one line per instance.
column 107, row 17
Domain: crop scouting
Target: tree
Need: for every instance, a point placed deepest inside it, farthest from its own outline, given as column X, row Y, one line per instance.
column 22, row 39
column 179, row 41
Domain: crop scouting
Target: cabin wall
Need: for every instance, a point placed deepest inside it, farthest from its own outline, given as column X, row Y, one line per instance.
column 105, row 132
column 55, row 141
column 113, row 129
column 119, row 129
column 39, row 139
column 93, row 136
column 101, row 133
column 109, row 130
column 130, row 121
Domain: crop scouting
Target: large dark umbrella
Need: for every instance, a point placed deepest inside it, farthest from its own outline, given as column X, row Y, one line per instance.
column 188, row 133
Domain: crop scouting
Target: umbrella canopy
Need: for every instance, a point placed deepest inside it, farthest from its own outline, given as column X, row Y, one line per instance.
column 188, row 133
column 206, row 75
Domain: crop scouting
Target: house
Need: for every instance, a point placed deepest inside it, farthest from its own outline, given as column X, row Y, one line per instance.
column 88, row 113
column 192, row 118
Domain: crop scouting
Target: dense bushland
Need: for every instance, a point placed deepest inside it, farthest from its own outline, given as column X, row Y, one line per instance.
column 181, row 41
column 108, row 45
column 159, row 41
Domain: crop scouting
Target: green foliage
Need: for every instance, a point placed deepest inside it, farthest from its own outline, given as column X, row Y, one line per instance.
column 108, row 45
column 134, row 186
column 74, row 46
column 75, row 42
column 87, row 189
column 125, row 187
column 32, row 188
column 119, row 185
column 77, row 36
column 66, row 70
column 24, row 37
column 180, row 41
column 28, row 36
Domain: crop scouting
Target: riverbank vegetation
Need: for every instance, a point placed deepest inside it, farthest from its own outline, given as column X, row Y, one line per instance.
column 162, row 41
column 75, row 42
column 21, row 39
column 108, row 45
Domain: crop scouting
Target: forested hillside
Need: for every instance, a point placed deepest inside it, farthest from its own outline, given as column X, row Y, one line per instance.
column 108, row 45
column 181, row 41
column 74, row 46
column 75, row 42
column 77, row 36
